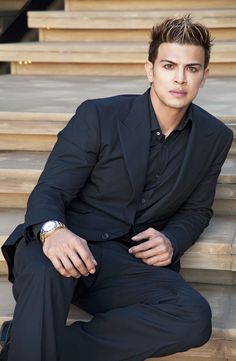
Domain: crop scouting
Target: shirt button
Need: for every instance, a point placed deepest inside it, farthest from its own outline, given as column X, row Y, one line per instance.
column 158, row 133
column 143, row 200
column 105, row 236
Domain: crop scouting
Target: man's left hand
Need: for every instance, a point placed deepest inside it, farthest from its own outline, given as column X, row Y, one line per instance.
column 157, row 250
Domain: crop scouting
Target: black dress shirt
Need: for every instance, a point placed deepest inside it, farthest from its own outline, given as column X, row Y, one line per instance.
column 165, row 159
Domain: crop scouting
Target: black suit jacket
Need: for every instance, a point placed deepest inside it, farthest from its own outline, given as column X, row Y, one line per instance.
column 95, row 175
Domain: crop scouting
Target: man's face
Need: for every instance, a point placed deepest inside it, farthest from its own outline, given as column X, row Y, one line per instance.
column 177, row 74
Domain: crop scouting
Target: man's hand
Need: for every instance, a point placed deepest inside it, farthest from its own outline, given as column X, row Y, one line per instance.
column 69, row 254
column 156, row 251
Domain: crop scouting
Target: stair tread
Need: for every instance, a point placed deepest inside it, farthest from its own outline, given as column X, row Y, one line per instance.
column 98, row 46
column 216, row 239
column 130, row 19
column 108, row 52
column 13, row 162
column 46, row 124
column 221, row 298
column 61, row 94
column 73, row 5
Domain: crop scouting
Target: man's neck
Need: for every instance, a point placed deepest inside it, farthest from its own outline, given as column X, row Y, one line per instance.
column 168, row 118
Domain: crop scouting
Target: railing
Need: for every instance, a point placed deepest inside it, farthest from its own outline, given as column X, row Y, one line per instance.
column 18, row 26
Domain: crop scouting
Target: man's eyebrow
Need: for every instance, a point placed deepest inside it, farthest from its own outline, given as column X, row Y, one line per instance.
column 172, row 62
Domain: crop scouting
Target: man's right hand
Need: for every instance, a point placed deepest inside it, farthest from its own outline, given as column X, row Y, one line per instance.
column 69, row 254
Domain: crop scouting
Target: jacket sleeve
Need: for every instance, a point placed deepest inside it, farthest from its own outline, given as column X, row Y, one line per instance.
column 68, row 167
column 185, row 227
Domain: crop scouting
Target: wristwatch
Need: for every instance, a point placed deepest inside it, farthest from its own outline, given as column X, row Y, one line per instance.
column 48, row 228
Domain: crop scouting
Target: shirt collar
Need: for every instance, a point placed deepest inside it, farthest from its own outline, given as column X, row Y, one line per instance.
column 155, row 123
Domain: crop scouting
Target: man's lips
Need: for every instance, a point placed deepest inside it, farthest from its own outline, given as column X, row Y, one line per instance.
column 178, row 92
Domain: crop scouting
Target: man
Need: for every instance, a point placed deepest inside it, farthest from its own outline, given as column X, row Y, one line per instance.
column 127, row 189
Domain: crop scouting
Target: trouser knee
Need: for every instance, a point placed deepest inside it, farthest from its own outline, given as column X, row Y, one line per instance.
column 199, row 328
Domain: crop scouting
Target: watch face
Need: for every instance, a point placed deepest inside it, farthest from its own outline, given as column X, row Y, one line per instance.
column 48, row 226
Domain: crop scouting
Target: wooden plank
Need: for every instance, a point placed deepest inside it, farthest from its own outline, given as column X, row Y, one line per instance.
column 119, row 19
column 101, row 69
column 19, row 171
column 13, row 200
column 49, row 34
column 213, row 250
column 30, row 127
column 97, row 52
column 145, row 4
column 27, row 142
column 225, row 191
column 205, row 261
column 224, row 207
column 63, row 117
column 24, row 116
column 213, row 350
column 208, row 276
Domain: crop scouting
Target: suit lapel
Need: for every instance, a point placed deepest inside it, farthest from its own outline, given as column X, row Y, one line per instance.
column 134, row 133
column 196, row 153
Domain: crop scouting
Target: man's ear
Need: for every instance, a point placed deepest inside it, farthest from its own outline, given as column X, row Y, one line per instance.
column 205, row 76
column 149, row 70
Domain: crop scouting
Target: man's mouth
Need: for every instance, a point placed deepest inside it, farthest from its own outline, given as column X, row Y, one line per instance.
column 178, row 93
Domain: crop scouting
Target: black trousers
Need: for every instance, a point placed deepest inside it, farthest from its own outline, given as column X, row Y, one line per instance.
column 139, row 310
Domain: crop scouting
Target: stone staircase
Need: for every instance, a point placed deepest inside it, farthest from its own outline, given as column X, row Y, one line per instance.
column 104, row 43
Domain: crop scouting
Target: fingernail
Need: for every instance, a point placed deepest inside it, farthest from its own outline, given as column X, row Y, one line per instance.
column 95, row 262
column 93, row 270
column 86, row 274
column 130, row 250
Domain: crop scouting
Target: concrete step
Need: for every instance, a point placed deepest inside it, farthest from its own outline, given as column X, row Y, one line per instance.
column 72, row 5
column 30, row 131
column 19, row 172
column 222, row 299
column 93, row 58
column 215, row 249
column 37, row 131
column 21, row 94
column 122, row 25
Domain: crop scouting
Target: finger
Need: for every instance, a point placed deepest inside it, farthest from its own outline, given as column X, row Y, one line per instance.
column 157, row 260
column 78, row 263
column 150, row 232
column 69, row 267
column 162, row 264
column 86, row 256
column 59, row 267
column 146, row 254
column 143, row 246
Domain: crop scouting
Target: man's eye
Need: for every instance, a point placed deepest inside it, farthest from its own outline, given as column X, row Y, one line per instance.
column 193, row 69
column 168, row 66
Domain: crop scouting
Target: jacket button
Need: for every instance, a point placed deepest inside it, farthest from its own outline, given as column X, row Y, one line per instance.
column 105, row 236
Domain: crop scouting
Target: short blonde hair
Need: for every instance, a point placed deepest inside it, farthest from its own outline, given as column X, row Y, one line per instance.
column 182, row 31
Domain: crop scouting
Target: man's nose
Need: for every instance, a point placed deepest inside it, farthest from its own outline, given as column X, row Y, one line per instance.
column 180, row 76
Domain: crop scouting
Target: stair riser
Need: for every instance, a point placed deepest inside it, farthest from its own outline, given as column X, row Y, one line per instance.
column 19, row 200
column 116, row 35
column 27, row 142
column 209, row 276
column 145, row 4
column 225, row 207
column 214, row 269
column 43, row 142
column 104, row 69
column 121, row 20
